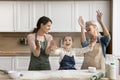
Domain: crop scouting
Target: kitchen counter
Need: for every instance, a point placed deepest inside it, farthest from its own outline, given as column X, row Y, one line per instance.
column 15, row 53
column 55, row 75
column 23, row 53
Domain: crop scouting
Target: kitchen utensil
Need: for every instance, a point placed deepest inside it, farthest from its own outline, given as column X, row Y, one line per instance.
column 92, row 69
column 14, row 74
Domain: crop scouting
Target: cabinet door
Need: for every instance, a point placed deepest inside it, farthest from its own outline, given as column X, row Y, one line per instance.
column 87, row 9
column 61, row 13
column 22, row 63
column 6, row 63
column 54, row 62
column 38, row 10
column 82, row 8
column 78, row 62
column 23, row 14
column 103, row 6
column 6, row 16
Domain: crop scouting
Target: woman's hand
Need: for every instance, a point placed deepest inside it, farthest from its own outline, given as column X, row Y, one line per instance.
column 81, row 22
column 38, row 46
column 99, row 16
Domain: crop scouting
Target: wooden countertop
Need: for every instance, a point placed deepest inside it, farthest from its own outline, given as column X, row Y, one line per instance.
column 23, row 53
column 15, row 53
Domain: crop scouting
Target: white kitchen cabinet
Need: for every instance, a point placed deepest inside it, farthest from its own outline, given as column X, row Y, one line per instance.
column 82, row 8
column 54, row 62
column 78, row 62
column 28, row 14
column 87, row 9
column 7, row 16
column 21, row 62
column 62, row 15
column 103, row 6
column 23, row 16
column 39, row 9
column 6, row 63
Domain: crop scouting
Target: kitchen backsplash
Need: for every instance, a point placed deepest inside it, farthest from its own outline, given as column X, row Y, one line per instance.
column 13, row 41
column 17, row 40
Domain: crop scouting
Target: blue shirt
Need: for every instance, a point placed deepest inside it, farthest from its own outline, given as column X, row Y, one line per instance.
column 104, row 40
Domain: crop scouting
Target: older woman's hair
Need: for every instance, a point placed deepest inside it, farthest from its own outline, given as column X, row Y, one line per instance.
column 94, row 24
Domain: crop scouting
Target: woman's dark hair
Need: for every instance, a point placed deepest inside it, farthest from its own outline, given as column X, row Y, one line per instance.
column 42, row 20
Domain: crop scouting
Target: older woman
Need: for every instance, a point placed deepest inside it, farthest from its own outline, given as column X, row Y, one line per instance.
column 95, row 58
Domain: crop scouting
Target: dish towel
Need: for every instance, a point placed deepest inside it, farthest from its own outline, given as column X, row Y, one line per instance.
column 97, row 76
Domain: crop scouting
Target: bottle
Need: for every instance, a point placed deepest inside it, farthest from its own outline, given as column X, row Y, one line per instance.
column 110, row 68
column 112, row 71
column 97, row 76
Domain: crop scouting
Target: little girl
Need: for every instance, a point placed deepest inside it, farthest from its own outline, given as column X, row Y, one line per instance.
column 67, row 53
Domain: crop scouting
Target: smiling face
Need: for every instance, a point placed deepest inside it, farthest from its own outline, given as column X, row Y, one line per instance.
column 91, row 28
column 45, row 28
column 67, row 42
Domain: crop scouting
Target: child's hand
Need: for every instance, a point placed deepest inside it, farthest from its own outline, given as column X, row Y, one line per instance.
column 53, row 45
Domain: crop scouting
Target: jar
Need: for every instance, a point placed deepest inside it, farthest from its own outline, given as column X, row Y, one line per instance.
column 110, row 67
column 112, row 71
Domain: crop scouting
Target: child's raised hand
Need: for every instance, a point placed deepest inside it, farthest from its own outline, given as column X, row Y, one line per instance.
column 53, row 45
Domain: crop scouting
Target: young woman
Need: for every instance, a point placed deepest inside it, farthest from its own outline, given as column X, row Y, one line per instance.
column 67, row 53
column 96, row 58
column 39, row 41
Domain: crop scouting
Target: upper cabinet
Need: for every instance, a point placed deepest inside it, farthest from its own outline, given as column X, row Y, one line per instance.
column 22, row 16
column 82, row 8
column 103, row 6
column 87, row 9
column 62, row 15
column 39, row 8
column 28, row 13
column 7, row 16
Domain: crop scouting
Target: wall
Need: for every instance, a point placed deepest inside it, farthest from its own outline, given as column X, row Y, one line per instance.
column 11, row 41
column 116, row 27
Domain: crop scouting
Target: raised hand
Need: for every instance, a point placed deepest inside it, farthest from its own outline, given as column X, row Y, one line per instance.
column 53, row 45
column 99, row 16
column 81, row 22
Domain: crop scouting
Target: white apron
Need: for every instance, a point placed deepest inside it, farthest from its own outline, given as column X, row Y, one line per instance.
column 94, row 58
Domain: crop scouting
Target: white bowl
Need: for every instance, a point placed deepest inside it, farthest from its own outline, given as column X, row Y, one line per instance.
column 92, row 69
column 14, row 74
